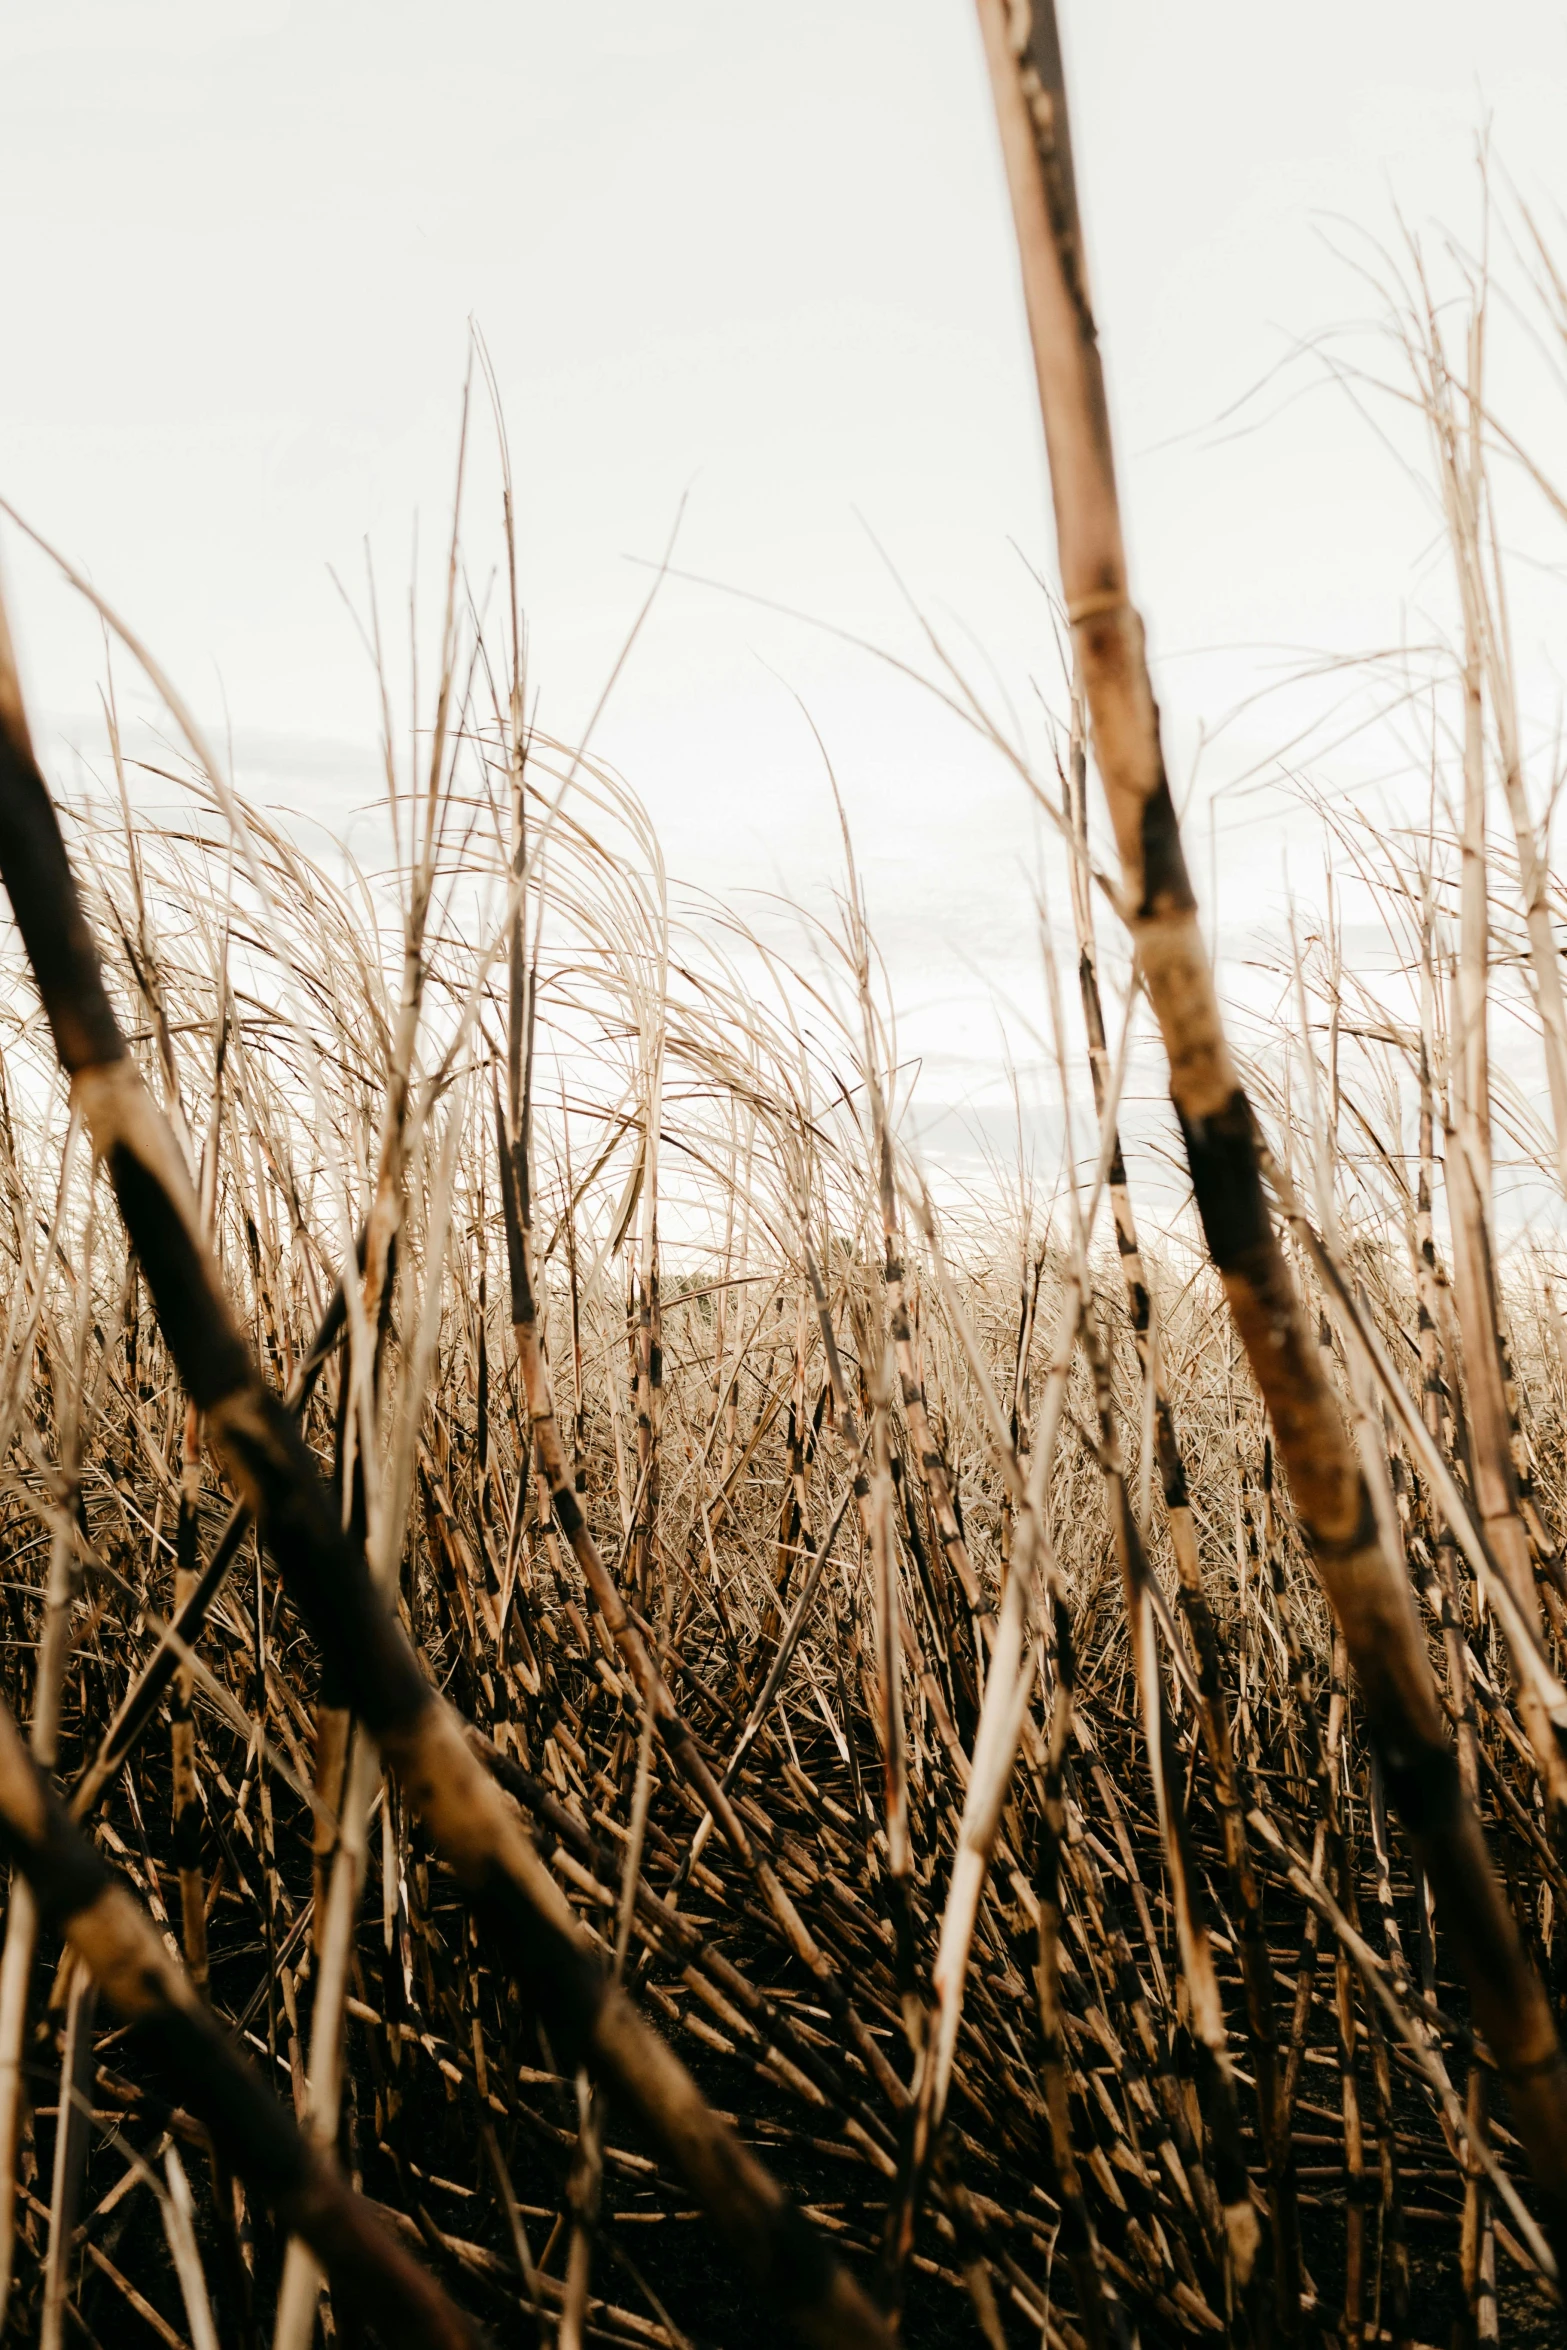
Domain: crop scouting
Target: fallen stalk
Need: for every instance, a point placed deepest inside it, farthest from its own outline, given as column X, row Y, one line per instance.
column 419, row 1736
column 188, row 2052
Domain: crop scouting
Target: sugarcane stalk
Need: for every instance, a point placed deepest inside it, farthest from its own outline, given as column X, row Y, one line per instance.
column 419, row 1736
column 118, row 1948
column 1369, row 1590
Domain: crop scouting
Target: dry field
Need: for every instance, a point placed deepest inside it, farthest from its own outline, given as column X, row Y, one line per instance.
column 626, row 1723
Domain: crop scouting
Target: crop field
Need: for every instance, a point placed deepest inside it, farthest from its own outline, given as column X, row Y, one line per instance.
column 629, row 1717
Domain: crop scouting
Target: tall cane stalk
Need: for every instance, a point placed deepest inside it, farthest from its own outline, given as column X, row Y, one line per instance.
column 1369, row 1588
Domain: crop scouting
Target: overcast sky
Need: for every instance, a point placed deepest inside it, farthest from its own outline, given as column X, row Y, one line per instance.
column 759, row 259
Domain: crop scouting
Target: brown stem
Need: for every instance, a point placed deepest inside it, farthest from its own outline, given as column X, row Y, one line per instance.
column 1369, row 1590
column 362, row 1642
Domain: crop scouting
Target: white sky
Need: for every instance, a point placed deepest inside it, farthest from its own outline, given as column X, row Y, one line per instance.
column 759, row 257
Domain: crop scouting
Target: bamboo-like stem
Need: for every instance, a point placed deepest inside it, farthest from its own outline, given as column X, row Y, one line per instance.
column 1369, row 1590
column 119, row 1949
column 419, row 1736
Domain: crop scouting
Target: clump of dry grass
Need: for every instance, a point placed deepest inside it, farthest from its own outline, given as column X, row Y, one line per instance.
column 701, row 1746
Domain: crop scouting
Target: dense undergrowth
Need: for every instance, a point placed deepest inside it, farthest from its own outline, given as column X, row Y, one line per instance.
column 884, row 1611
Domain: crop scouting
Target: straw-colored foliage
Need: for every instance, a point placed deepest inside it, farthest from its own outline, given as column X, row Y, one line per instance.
column 782, row 1756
